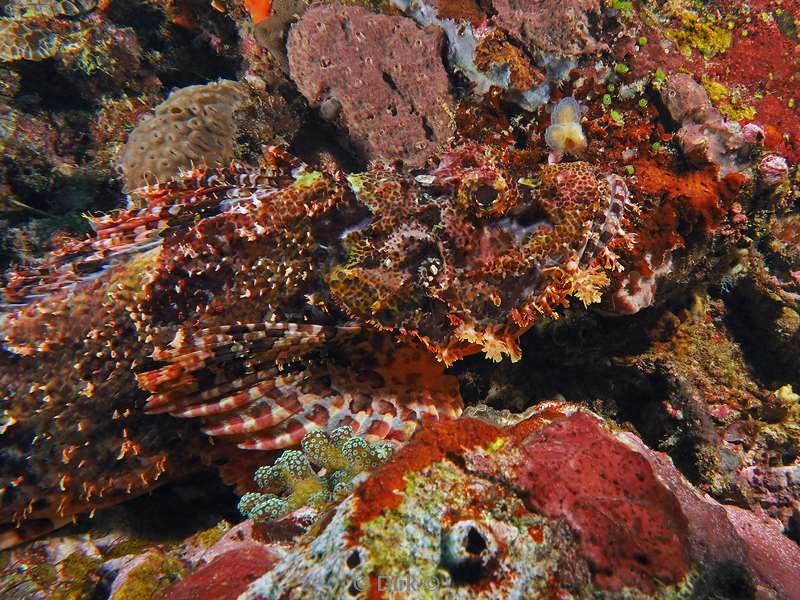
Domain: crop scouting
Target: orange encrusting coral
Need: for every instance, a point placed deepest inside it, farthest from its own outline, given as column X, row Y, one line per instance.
column 383, row 491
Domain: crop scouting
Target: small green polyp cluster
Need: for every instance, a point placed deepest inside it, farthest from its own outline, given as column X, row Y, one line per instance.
column 292, row 482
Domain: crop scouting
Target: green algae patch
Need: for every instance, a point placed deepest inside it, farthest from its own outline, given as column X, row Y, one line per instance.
column 209, row 537
column 78, row 569
column 43, row 575
column 78, row 566
column 131, row 546
column 497, row 444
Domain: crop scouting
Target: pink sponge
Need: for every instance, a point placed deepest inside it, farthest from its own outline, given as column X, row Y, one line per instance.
column 380, row 77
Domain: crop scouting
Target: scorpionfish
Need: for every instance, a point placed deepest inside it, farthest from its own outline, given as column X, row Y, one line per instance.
column 259, row 303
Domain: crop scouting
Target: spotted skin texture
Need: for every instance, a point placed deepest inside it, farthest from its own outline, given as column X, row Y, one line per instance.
column 470, row 259
column 259, row 304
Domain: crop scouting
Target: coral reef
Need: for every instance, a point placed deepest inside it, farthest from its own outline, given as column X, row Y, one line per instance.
column 40, row 30
column 472, row 510
column 527, row 49
column 285, row 237
column 68, row 115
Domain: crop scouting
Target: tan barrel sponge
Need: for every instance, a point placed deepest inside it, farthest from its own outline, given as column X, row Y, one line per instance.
column 195, row 125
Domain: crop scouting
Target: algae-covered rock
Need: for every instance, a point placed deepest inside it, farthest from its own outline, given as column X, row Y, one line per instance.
column 558, row 501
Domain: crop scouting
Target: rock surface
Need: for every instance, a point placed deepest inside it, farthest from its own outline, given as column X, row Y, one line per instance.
column 558, row 499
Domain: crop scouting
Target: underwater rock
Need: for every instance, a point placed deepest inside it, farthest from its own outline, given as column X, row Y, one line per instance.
column 225, row 577
column 734, row 428
column 488, row 56
column 558, row 27
column 143, row 550
column 560, row 500
column 146, row 575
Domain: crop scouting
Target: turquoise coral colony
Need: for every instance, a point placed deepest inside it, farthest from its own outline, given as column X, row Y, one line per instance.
column 489, row 298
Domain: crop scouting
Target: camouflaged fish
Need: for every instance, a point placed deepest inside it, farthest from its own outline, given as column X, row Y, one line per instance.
column 258, row 304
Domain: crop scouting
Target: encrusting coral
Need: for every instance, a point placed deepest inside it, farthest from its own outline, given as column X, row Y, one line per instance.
column 339, row 458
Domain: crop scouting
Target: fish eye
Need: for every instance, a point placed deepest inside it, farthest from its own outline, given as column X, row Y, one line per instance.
column 485, row 196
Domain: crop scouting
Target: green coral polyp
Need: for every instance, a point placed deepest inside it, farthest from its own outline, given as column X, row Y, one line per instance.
column 292, row 483
column 294, row 464
column 270, row 478
column 262, row 507
column 321, row 450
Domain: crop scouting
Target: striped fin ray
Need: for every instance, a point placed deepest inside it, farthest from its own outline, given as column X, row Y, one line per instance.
column 388, row 399
column 373, row 413
column 303, row 413
column 263, row 387
column 218, row 369
column 266, row 409
column 608, row 223
column 117, row 235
